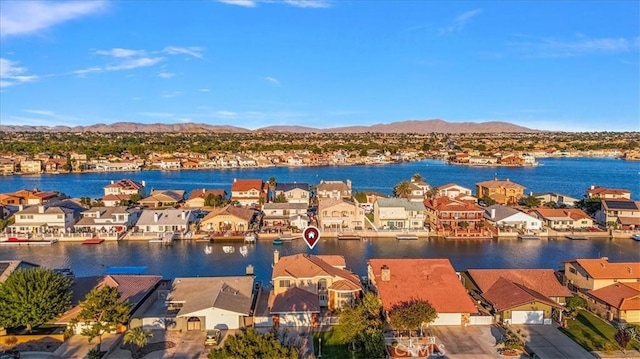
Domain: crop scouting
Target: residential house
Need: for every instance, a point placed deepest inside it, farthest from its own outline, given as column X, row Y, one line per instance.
column 30, row 166
column 198, row 197
column 560, row 200
column 398, row 213
column 304, row 283
column 7, row 166
column 433, row 280
column 419, row 189
column 28, row 197
column 501, row 191
column 618, row 302
column 163, row 198
column 340, row 214
column 229, row 218
column 519, row 296
column 446, row 213
column 107, row 220
column 592, row 274
column 334, row 189
column 283, row 215
column 482, row 161
column 108, row 166
column 454, row 191
column 294, row 192
column 622, row 213
column 8, row 267
column 563, row 218
column 248, row 192
column 42, row 219
column 121, row 191
column 608, row 193
column 166, row 220
column 138, row 290
column 503, row 216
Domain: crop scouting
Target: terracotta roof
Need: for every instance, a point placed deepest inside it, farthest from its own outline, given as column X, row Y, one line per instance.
column 116, row 197
column 241, row 185
column 332, row 186
column 310, row 266
column 204, row 193
column 232, row 293
column 325, row 203
column 447, row 204
column 602, row 269
column 505, row 294
column 499, row 184
column 434, row 280
column 541, row 280
column 344, row 285
column 240, row 212
column 623, row 296
column 598, row 191
column 126, row 184
column 572, row 213
column 295, row 300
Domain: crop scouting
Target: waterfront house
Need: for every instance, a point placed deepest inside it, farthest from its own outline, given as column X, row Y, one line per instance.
column 503, row 216
column 608, row 193
column 482, row 161
column 433, row 280
column 340, row 214
column 229, row 218
column 109, row 166
column 199, row 196
column 42, row 219
column 501, row 191
column 334, row 189
column 138, row 290
column 454, row 191
column 560, row 200
column 294, row 192
column 519, row 296
column 107, row 220
column 563, row 218
column 7, row 166
column 304, row 283
column 446, row 214
column 619, row 213
column 163, row 198
column 166, row 220
column 248, row 192
column 618, row 302
column 398, row 213
column 118, row 192
column 28, row 197
column 284, row 215
column 30, row 166
column 592, row 274
column 8, row 267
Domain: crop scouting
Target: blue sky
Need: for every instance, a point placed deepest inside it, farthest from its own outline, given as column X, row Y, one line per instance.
column 549, row 65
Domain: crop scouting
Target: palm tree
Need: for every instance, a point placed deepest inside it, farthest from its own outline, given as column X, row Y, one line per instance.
column 402, row 189
column 138, row 337
column 432, row 192
column 272, row 187
column 416, row 177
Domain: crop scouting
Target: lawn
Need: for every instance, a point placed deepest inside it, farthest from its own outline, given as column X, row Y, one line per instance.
column 331, row 346
column 594, row 333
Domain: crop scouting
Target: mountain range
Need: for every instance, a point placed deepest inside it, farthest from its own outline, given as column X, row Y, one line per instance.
column 413, row 126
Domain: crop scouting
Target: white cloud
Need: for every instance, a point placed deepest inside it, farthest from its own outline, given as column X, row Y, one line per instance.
column 536, row 47
column 225, row 114
column 273, row 80
column 170, row 94
column 40, row 112
column 166, row 75
column 157, row 114
column 125, row 59
column 296, row 3
column 243, row 3
column 194, row 51
column 119, row 52
column 11, row 75
column 134, row 63
column 308, row 3
column 204, row 90
column 459, row 22
column 29, row 17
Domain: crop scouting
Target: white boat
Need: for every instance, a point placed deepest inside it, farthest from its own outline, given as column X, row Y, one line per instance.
column 228, row 249
column 208, row 250
column 244, row 251
column 250, row 237
column 636, row 237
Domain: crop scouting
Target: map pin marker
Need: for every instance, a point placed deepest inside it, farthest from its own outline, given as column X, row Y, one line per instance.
column 311, row 236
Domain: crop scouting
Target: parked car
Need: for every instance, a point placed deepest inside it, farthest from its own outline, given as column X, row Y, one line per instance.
column 213, row 338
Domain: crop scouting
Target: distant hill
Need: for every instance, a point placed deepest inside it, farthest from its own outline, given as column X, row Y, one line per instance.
column 414, row 126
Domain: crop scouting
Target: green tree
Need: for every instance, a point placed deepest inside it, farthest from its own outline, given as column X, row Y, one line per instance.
column 68, row 166
column 137, row 337
column 32, row 297
column 416, row 177
column 574, row 304
column 550, row 204
column 360, row 197
column 249, row 344
column 623, row 336
column 102, row 311
column 411, row 314
column 134, row 198
column 589, row 205
column 280, row 198
column 272, row 187
column 488, row 200
column 464, row 224
column 362, row 326
column 531, row 201
column 351, row 325
column 402, row 189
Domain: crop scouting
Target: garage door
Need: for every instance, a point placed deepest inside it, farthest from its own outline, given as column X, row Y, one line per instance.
column 295, row 320
column 527, row 317
column 448, row 319
column 153, row 323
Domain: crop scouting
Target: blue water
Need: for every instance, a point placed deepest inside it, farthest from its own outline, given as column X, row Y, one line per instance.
column 570, row 176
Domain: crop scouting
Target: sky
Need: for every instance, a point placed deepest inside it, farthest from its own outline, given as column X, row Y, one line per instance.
column 549, row 65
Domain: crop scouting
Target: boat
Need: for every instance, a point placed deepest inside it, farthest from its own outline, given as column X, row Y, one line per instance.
column 348, row 236
column 407, row 237
column 636, row 237
column 288, row 237
column 228, row 249
column 244, row 251
column 208, row 249
column 250, row 237
column 277, row 242
column 167, row 239
column 528, row 237
column 93, row 241
column 577, row 238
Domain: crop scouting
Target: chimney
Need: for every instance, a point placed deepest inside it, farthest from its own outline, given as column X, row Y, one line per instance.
column 112, row 182
column 156, row 216
column 249, row 270
column 593, row 187
column 21, row 207
column 385, row 273
column 204, row 191
column 144, row 183
column 235, row 180
column 276, row 257
column 40, row 209
column 183, row 215
column 349, row 183
column 493, row 213
column 531, row 194
column 97, row 214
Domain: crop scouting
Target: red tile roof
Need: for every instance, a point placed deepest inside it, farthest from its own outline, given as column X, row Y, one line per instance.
column 504, row 294
column 623, row 296
column 434, row 280
column 446, row 204
column 598, row 191
column 310, row 266
column 541, row 280
column 602, row 269
column 242, row 185
column 573, row 213
column 295, row 300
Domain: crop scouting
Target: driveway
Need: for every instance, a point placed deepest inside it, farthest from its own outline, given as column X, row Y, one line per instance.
column 467, row 343
column 190, row 345
column 547, row 342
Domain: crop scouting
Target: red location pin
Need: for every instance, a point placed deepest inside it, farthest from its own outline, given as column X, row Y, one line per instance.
column 311, row 236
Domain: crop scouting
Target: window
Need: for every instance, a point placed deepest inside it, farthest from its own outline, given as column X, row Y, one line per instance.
column 572, row 270
column 59, row 216
column 322, row 284
column 285, row 283
column 345, row 295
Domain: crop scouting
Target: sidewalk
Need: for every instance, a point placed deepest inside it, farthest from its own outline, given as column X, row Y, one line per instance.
column 617, row 354
column 78, row 346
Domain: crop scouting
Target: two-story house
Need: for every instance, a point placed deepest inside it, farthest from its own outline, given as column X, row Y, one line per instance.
column 303, row 284
column 248, row 192
column 453, row 191
column 445, row 213
column 334, row 189
column 198, row 197
column 118, row 191
column 167, row 220
column 228, row 218
column 501, row 191
column 163, row 198
column 608, row 193
column 7, row 166
column 294, row 192
column 340, row 214
column 30, row 166
column 43, row 219
column 503, row 216
column 623, row 213
column 563, row 218
column 560, row 200
column 398, row 213
column 617, row 302
column 283, row 215
column 107, row 220
column 591, row 274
